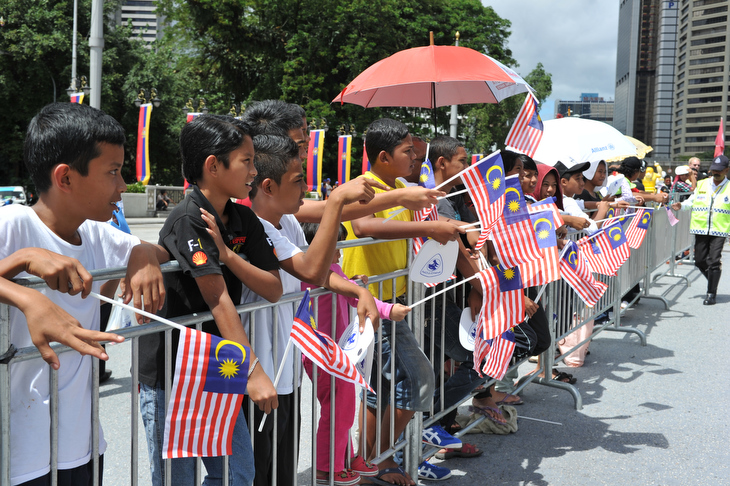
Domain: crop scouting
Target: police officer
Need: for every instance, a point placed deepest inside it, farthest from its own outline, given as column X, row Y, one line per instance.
column 710, row 223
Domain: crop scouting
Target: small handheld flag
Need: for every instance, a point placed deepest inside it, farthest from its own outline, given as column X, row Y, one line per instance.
column 636, row 231
column 503, row 302
column 211, row 375
column 513, row 236
column 527, row 129
column 576, row 272
column 485, row 182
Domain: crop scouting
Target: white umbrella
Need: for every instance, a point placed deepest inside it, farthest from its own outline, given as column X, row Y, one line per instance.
column 572, row 140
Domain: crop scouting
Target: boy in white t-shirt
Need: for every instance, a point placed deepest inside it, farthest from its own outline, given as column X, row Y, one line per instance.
column 74, row 154
column 277, row 194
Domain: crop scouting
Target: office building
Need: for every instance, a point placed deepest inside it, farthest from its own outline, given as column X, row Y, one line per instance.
column 701, row 96
column 146, row 24
column 588, row 105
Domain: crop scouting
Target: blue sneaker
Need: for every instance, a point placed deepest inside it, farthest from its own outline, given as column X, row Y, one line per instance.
column 437, row 436
column 432, row 472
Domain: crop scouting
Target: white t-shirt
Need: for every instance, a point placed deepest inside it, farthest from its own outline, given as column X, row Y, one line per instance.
column 102, row 246
column 572, row 208
column 286, row 242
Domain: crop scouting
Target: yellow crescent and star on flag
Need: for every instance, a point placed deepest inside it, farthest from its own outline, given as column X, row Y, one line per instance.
column 497, row 181
column 514, row 205
column 543, row 233
column 616, row 235
column 229, row 368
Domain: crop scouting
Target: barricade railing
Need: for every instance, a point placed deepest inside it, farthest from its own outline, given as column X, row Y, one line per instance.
column 566, row 314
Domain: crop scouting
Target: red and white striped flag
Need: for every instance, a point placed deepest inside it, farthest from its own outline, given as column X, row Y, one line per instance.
column 548, row 204
column 527, row 129
column 636, row 231
column 481, row 351
column 593, row 254
column 614, row 247
column 485, row 182
column 211, row 375
column 321, row 349
column 513, row 236
column 503, row 302
column 545, row 269
column 500, row 355
column 575, row 270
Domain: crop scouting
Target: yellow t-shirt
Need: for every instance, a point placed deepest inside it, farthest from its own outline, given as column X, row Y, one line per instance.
column 382, row 258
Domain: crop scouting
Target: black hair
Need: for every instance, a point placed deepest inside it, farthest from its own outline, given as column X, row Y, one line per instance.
column 527, row 162
column 273, row 157
column 443, row 146
column 384, row 134
column 629, row 167
column 272, row 117
column 208, row 135
column 67, row 133
column 508, row 159
column 298, row 109
column 310, row 230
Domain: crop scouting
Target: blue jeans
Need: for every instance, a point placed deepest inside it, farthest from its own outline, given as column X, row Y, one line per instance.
column 414, row 379
column 240, row 462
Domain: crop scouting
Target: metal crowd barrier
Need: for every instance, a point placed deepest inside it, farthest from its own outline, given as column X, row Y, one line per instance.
column 566, row 314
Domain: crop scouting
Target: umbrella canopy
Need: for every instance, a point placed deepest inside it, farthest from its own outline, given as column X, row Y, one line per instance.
column 572, row 140
column 433, row 76
column 641, row 148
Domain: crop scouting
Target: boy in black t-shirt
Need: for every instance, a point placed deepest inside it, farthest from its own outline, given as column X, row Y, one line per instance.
column 217, row 155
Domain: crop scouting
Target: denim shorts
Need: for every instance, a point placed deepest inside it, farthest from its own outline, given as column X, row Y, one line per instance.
column 240, row 462
column 414, row 378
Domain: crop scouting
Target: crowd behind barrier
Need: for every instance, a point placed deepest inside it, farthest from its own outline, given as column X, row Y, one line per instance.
column 567, row 315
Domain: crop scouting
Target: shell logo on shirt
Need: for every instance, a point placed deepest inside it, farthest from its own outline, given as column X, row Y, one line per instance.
column 200, row 258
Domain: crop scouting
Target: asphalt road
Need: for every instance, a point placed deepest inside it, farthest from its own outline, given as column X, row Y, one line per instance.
column 654, row 415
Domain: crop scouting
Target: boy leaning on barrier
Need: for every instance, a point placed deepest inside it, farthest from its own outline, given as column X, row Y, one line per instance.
column 390, row 150
column 710, row 205
column 277, row 194
column 74, row 154
column 217, row 158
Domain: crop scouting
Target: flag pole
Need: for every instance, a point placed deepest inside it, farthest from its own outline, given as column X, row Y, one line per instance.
column 446, row 289
column 139, row 311
column 278, row 376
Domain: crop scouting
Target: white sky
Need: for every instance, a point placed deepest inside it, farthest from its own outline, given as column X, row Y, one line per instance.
column 574, row 39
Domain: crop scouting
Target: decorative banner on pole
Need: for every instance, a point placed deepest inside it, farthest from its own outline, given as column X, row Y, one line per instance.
column 476, row 158
column 77, row 97
column 365, row 160
column 344, row 149
column 143, row 144
column 314, row 160
column 720, row 141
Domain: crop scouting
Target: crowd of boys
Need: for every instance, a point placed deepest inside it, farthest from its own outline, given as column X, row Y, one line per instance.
column 74, row 155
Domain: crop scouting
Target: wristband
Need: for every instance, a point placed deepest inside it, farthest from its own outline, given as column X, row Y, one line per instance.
column 253, row 367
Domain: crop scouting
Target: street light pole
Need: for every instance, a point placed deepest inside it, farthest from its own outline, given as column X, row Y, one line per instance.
column 73, row 48
column 96, row 44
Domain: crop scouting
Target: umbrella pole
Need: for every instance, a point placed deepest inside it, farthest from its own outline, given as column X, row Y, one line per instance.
column 433, row 110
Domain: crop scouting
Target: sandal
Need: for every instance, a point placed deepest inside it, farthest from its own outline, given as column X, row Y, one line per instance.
column 391, row 470
column 511, row 403
column 467, row 450
column 342, row 478
column 493, row 414
column 564, row 377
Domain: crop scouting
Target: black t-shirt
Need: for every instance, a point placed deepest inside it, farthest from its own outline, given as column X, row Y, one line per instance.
column 184, row 235
column 588, row 196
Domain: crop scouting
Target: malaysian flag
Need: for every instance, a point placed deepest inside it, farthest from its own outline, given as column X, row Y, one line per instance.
column 481, row 351
column 425, row 179
column 485, row 182
column 545, row 269
column 575, row 270
column 636, row 231
column 527, row 130
column 614, row 246
column 503, row 302
column 593, row 254
column 210, row 379
column 548, row 203
column 320, row 348
column 500, row 355
column 513, row 236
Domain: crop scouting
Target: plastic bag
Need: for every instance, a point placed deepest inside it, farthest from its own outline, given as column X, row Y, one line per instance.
column 120, row 318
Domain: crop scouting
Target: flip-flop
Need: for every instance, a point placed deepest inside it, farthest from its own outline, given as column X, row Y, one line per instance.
column 485, row 411
column 565, row 378
column 467, row 450
column 377, row 479
column 512, row 403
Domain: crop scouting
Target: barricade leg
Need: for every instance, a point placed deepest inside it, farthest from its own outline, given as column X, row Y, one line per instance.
column 618, row 290
column 672, row 263
column 648, row 246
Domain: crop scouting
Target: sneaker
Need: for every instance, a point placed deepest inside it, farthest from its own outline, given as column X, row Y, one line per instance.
column 433, row 472
column 437, row 436
column 363, row 468
column 624, row 305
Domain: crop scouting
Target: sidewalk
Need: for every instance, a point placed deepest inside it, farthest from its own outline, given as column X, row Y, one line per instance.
column 654, row 415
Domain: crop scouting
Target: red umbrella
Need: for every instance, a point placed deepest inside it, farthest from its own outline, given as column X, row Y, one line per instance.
column 433, row 76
